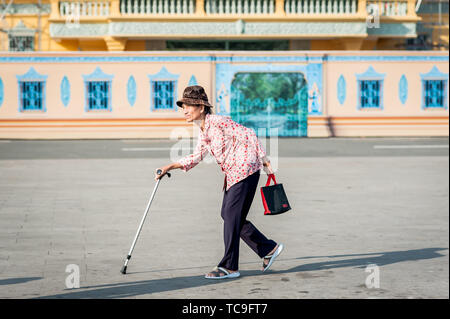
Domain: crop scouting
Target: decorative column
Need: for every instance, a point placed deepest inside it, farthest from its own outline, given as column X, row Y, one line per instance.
column 411, row 11
column 115, row 44
column 54, row 9
column 362, row 7
column 114, row 10
column 200, row 7
column 279, row 7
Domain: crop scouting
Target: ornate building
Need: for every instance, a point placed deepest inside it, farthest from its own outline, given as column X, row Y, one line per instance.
column 288, row 93
column 148, row 25
column 297, row 68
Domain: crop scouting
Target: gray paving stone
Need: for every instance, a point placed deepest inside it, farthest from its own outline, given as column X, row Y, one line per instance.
column 348, row 212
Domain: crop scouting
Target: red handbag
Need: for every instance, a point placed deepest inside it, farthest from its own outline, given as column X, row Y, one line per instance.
column 274, row 198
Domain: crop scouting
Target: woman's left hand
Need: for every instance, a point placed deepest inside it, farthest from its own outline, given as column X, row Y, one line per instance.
column 267, row 168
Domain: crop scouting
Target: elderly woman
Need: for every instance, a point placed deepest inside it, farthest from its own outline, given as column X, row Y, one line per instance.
column 240, row 155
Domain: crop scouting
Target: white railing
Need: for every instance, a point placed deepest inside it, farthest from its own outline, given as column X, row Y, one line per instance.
column 321, row 6
column 239, row 6
column 88, row 8
column 84, row 8
column 157, row 6
column 387, row 8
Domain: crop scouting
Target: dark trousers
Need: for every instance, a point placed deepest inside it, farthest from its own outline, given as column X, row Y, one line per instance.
column 235, row 207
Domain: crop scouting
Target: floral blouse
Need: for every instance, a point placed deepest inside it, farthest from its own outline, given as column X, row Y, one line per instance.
column 235, row 147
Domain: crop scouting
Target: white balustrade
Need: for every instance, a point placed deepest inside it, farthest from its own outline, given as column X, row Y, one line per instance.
column 321, row 6
column 387, row 8
column 84, row 8
column 167, row 7
column 240, row 6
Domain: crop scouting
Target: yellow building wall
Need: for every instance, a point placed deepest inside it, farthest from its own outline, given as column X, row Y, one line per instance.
column 32, row 21
column 135, row 45
column 92, row 45
column 49, row 44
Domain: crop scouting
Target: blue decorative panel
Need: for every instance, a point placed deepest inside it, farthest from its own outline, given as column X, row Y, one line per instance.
column 341, row 89
column 164, row 74
column 434, row 89
column 309, row 98
column 163, row 94
column 226, row 70
column 314, row 79
column 163, row 90
column 434, row 95
column 65, row 91
column 270, row 103
column 131, row 90
column 370, row 89
column 31, row 95
column 98, row 95
column 97, row 90
column 403, row 89
column 98, row 75
column 371, row 74
column 1, row 92
column 192, row 81
column 222, row 93
column 32, row 91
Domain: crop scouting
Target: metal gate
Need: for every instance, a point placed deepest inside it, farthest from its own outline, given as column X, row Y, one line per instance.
column 276, row 113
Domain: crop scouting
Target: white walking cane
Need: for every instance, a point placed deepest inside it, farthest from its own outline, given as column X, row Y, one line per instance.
column 124, row 268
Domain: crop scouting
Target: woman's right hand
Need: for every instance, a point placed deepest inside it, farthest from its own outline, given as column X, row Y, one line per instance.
column 166, row 169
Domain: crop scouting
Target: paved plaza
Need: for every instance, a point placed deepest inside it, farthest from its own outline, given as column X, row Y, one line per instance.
column 364, row 212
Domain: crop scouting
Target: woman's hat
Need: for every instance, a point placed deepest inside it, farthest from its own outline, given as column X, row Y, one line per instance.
column 194, row 95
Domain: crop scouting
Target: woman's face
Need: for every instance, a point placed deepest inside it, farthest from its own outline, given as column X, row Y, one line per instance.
column 192, row 112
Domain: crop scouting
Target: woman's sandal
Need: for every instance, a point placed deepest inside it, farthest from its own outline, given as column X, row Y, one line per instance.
column 222, row 273
column 272, row 257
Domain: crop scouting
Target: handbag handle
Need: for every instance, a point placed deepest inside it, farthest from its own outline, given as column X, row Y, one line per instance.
column 271, row 176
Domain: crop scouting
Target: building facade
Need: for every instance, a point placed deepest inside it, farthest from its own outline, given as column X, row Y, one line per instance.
column 152, row 25
column 283, row 93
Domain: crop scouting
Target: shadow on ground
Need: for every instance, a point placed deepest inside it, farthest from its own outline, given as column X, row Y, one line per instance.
column 131, row 289
column 13, row 281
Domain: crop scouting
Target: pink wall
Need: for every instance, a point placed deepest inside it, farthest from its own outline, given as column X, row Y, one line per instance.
column 139, row 121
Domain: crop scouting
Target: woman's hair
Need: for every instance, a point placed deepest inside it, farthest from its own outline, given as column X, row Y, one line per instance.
column 207, row 110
